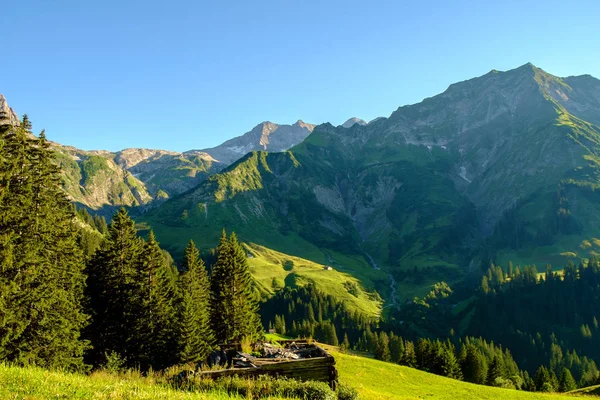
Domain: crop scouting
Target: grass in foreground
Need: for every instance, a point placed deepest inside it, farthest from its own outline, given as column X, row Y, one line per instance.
column 374, row 380
column 36, row 383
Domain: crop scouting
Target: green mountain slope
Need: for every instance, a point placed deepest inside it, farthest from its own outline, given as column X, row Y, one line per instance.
column 507, row 154
column 377, row 380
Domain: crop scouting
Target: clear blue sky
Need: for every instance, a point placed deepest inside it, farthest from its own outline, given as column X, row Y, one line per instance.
column 189, row 74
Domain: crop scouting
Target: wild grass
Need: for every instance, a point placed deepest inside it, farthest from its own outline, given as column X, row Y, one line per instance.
column 377, row 380
column 36, row 383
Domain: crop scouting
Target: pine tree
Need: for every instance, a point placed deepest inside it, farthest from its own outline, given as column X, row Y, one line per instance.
column 382, row 349
column 495, row 371
column 152, row 334
column 41, row 269
column 112, row 284
column 409, row 358
column 543, row 381
column 567, row 383
column 234, row 308
column 194, row 334
column 474, row 367
column 345, row 343
column 450, row 365
column 396, row 348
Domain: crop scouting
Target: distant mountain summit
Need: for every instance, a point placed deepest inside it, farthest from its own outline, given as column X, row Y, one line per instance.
column 266, row 136
column 353, row 121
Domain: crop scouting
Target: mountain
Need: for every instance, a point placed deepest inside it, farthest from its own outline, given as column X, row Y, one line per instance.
column 349, row 123
column 265, row 136
column 7, row 115
column 102, row 180
column 495, row 166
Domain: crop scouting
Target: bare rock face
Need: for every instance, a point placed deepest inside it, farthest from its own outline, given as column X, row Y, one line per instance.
column 353, row 121
column 266, row 136
column 7, row 114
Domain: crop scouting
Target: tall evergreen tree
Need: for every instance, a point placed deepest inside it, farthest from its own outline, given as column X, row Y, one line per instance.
column 41, row 266
column 112, row 284
column 382, row 348
column 194, row 334
column 474, row 366
column 543, row 380
column 566, row 383
column 152, row 335
column 495, row 371
column 234, row 307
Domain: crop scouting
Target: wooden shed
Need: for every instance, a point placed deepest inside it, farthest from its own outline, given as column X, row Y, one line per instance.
column 296, row 359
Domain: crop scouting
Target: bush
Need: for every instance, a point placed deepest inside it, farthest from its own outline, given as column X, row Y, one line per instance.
column 114, row 362
column 346, row 393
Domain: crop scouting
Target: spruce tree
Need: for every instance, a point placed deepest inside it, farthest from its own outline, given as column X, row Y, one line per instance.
column 41, row 266
column 409, row 358
column 195, row 335
column 112, row 284
column 543, row 380
column 234, row 308
column 567, row 383
column 152, row 335
column 450, row 365
column 495, row 371
column 382, row 348
column 474, row 367
column 345, row 345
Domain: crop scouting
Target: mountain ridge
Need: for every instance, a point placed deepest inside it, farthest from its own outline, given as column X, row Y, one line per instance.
column 423, row 188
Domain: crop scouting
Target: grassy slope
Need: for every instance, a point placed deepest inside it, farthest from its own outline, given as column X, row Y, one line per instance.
column 590, row 391
column 269, row 267
column 377, row 380
column 35, row 383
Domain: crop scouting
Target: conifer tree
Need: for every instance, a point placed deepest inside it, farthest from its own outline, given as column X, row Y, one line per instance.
column 234, row 309
column 566, row 383
column 382, row 348
column 195, row 334
column 474, row 367
column 345, row 345
column 152, row 334
column 495, row 371
column 543, row 381
column 41, row 267
column 112, row 284
column 409, row 358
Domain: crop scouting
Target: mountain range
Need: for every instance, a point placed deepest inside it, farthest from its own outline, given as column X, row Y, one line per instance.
column 504, row 166
column 101, row 180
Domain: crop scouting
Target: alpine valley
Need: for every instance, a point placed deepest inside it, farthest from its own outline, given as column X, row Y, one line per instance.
column 426, row 224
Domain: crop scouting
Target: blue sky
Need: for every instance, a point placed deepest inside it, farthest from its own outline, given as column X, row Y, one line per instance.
column 189, row 74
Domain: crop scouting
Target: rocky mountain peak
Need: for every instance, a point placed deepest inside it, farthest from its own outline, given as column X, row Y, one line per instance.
column 353, row 121
column 7, row 114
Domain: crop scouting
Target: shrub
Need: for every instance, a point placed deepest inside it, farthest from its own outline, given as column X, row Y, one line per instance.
column 114, row 362
column 346, row 393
